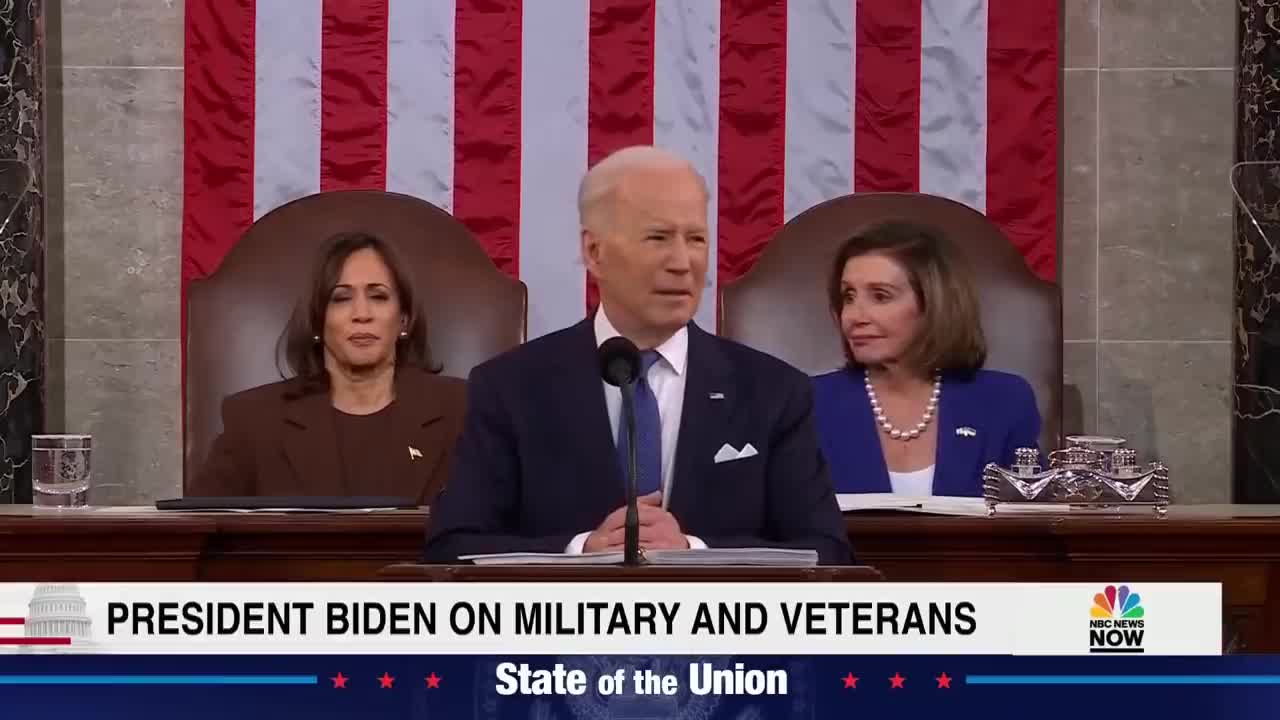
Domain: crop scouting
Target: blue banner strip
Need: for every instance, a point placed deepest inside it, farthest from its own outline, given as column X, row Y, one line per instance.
column 158, row 680
column 1122, row 679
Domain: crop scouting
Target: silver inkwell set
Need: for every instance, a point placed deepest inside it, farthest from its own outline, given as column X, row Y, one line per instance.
column 1092, row 472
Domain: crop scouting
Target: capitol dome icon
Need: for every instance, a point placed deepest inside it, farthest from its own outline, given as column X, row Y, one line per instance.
column 58, row 610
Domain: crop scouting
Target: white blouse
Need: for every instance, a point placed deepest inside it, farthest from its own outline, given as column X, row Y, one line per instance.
column 917, row 483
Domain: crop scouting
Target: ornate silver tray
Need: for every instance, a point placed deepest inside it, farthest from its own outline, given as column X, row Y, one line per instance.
column 1091, row 472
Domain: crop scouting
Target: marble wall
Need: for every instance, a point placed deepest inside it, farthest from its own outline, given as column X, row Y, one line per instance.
column 1147, row 120
column 116, row 192
column 1146, row 255
column 1257, row 336
column 22, row 252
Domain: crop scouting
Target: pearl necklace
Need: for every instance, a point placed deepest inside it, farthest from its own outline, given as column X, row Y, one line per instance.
column 914, row 432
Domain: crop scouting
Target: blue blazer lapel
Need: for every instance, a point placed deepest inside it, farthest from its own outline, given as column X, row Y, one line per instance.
column 708, row 406
column 958, row 456
column 863, row 449
column 580, row 403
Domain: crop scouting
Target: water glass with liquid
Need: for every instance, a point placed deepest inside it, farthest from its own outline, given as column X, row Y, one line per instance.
column 61, row 471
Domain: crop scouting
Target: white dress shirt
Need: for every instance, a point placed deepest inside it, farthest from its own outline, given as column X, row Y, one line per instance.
column 666, row 379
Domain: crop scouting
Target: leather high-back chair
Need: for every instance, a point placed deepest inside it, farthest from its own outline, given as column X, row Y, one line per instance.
column 236, row 316
column 780, row 306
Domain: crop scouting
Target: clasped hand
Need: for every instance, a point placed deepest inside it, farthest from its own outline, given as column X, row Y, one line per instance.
column 659, row 529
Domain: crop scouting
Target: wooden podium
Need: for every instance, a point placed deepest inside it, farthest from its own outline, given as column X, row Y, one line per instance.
column 620, row 573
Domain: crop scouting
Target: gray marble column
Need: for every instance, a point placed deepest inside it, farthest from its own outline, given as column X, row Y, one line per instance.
column 1256, row 424
column 22, row 247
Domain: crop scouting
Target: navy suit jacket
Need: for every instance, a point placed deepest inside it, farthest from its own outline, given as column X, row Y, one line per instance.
column 536, row 463
column 999, row 407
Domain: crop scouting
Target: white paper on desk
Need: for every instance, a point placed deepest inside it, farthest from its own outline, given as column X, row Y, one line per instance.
column 756, row 557
column 971, row 506
column 853, row 502
column 532, row 558
column 322, row 511
column 929, row 505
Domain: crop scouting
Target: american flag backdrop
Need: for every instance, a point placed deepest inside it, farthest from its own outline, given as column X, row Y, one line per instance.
column 493, row 109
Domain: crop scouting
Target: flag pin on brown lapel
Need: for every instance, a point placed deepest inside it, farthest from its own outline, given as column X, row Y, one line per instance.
column 414, row 453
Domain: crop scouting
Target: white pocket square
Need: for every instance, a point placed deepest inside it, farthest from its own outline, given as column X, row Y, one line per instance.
column 727, row 453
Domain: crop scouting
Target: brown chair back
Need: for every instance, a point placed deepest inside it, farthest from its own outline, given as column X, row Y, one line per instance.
column 781, row 306
column 235, row 317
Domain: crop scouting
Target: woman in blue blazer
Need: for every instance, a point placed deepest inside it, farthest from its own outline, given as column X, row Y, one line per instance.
column 913, row 412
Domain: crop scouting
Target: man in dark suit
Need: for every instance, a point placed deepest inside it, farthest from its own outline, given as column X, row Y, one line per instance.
column 725, row 443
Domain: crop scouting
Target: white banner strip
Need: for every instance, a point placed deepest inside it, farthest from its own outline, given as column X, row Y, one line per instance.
column 953, row 100
column 286, row 119
column 610, row 619
column 819, row 109
column 686, row 108
column 553, row 158
column 420, row 75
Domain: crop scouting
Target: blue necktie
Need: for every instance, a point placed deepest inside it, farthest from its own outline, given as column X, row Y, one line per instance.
column 648, row 431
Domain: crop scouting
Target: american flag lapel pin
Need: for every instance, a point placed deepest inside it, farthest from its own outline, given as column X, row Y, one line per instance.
column 414, row 453
column 715, row 396
column 966, row 431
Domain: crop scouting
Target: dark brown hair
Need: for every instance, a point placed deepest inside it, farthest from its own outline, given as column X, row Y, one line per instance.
column 951, row 338
column 304, row 355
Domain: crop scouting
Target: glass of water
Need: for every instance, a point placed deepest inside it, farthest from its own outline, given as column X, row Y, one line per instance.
column 60, row 470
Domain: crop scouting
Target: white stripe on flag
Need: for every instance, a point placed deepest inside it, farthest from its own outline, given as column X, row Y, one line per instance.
column 420, row 61
column 819, row 111
column 953, row 100
column 286, row 130
column 553, row 157
column 686, row 106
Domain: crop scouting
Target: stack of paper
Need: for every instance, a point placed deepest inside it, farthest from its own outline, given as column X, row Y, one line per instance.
column 756, row 557
column 851, row 502
column 761, row 557
column 968, row 506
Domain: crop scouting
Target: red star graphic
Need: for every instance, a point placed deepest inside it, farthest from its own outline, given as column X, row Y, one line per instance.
column 897, row 681
column 433, row 681
column 850, row 682
column 944, row 681
column 386, row 681
column 340, row 681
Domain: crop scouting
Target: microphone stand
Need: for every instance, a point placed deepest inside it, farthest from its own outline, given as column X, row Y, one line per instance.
column 631, row 527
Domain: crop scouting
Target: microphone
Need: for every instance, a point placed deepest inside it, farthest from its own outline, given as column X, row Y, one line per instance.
column 620, row 366
column 619, row 361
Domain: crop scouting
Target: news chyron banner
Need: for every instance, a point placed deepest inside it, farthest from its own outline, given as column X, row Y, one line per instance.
column 560, row 651
column 609, row 618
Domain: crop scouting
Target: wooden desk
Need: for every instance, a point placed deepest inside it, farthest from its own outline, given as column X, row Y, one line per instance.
column 1238, row 546
column 615, row 573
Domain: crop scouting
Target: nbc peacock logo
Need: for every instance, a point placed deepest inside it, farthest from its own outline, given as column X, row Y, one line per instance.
column 1116, row 622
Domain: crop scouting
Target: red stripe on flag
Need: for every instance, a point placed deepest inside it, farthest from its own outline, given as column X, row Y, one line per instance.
column 753, row 87
column 35, row 641
column 13, row 621
column 217, row 199
column 486, row 175
column 887, row 96
column 218, row 145
column 1022, row 127
column 353, row 95
column 620, row 85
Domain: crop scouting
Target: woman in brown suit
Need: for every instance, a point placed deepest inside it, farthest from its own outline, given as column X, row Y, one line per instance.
column 365, row 413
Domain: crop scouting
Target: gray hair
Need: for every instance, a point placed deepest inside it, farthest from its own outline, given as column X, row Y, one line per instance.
column 601, row 181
